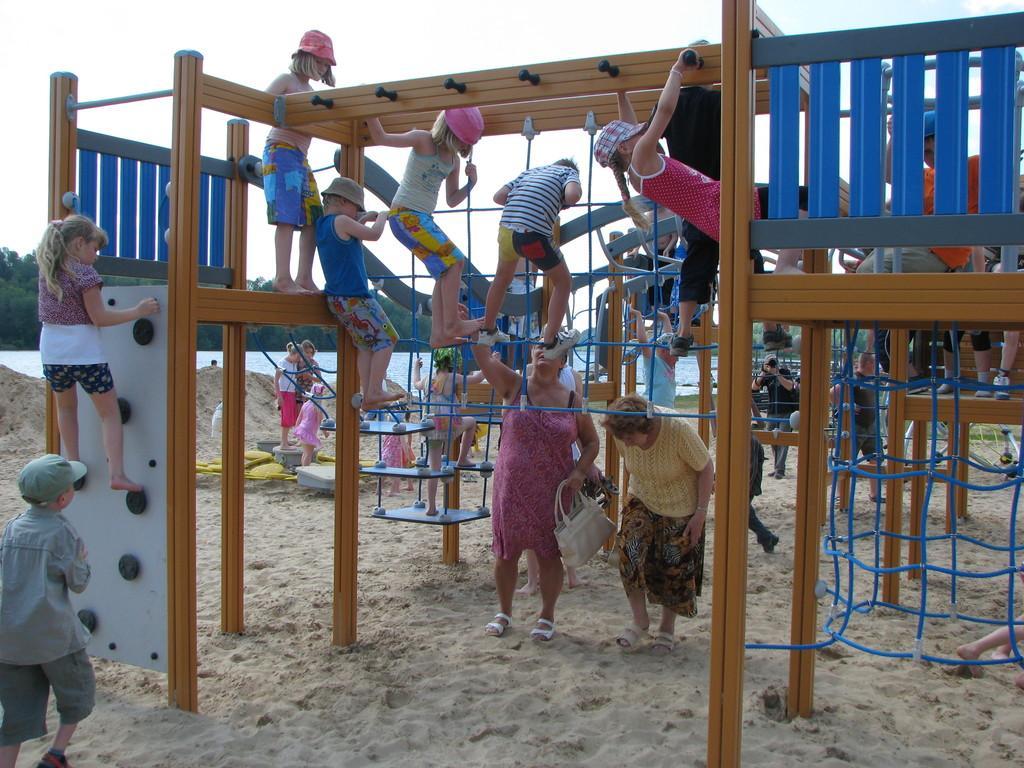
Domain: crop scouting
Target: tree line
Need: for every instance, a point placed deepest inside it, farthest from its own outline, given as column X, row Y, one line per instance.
column 19, row 290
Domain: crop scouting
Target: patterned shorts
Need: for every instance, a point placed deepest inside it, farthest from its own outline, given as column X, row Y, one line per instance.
column 365, row 321
column 532, row 246
column 95, row 378
column 656, row 557
column 289, row 186
column 418, row 232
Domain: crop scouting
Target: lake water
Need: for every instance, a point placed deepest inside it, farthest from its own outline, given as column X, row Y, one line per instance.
column 28, row 363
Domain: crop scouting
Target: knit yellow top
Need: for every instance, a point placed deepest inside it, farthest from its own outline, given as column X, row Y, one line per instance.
column 664, row 476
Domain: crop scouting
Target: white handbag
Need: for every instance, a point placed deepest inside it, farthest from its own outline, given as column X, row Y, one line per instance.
column 581, row 531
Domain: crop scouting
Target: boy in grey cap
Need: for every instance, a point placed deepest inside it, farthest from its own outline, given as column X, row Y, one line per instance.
column 42, row 642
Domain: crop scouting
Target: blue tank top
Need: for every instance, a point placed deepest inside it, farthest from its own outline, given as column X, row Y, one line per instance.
column 661, row 382
column 341, row 260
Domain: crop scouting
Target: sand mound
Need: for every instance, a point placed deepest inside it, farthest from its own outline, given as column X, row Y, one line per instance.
column 22, row 411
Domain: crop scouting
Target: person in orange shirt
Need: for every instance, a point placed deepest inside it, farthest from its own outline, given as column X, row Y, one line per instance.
column 938, row 259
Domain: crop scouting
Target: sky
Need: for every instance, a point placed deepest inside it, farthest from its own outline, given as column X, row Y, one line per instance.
column 117, row 48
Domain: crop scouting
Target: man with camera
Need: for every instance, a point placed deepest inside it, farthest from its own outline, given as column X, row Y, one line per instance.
column 783, row 399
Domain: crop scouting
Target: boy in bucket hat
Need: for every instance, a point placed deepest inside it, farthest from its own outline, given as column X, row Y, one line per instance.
column 339, row 235
column 42, row 641
column 293, row 201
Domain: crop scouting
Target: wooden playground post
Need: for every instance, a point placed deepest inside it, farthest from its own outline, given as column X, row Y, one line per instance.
column 612, row 463
column 182, row 273
column 236, row 210
column 918, row 447
column 704, row 336
column 728, row 618
column 892, row 549
column 62, row 178
column 346, row 462
column 956, row 495
column 453, row 497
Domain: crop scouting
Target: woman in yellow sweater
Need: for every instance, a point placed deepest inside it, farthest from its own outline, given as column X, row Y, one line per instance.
column 661, row 537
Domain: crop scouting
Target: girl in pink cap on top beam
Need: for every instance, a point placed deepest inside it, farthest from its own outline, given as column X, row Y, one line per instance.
column 435, row 158
column 293, row 200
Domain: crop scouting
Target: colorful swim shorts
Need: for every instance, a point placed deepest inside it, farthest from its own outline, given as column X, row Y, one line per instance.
column 417, row 231
column 365, row 321
column 536, row 248
column 289, row 186
column 95, row 378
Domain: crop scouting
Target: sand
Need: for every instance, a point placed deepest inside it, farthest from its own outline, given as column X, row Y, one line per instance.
column 423, row 686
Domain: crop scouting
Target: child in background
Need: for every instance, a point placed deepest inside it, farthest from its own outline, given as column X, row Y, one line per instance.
column 435, row 159
column 309, row 371
column 42, row 641
column 444, row 393
column 72, row 311
column 307, row 428
column 284, row 391
column 288, row 184
column 659, row 365
column 397, row 451
column 339, row 236
column 532, row 202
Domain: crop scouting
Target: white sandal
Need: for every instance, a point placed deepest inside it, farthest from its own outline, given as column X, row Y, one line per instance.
column 544, row 631
column 629, row 638
column 496, row 628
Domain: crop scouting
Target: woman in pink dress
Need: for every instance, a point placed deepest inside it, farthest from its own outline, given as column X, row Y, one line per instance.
column 534, row 457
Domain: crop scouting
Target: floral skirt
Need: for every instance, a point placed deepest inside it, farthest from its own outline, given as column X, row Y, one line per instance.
column 657, row 558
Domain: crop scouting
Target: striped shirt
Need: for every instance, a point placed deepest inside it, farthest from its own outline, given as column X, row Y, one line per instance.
column 535, row 198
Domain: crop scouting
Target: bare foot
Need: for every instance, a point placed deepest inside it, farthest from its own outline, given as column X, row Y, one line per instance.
column 527, row 590
column 576, row 581
column 381, row 398
column 1019, row 680
column 969, row 652
column 286, row 285
column 308, row 287
column 391, row 492
column 447, row 341
column 432, row 512
column 467, row 327
column 408, row 488
column 123, row 483
column 788, row 270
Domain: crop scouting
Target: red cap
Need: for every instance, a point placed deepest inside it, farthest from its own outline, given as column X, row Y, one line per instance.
column 318, row 44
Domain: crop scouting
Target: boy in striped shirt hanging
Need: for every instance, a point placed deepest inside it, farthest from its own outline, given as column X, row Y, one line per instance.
column 532, row 202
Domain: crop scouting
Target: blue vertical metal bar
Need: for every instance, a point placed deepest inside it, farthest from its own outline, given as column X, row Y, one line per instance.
column 218, row 199
column 951, row 102
column 204, row 219
column 87, row 178
column 997, row 175
column 784, row 142
column 129, row 196
column 907, row 135
column 163, row 218
column 823, row 174
column 108, row 202
column 865, row 138
column 147, row 212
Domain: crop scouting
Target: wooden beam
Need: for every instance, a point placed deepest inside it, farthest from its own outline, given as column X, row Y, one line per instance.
column 909, row 300
column 892, row 550
column 182, row 684
column 728, row 618
column 222, row 305
column 232, row 489
column 346, row 473
column 62, row 178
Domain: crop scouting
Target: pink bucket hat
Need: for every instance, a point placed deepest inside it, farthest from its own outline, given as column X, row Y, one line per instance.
column 613, row 134
column 467, row 123
column 319, row 44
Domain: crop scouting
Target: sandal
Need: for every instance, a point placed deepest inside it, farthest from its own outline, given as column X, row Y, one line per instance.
column 663, row 643
column 544, row 631
column 629, row 638
column 496, row 628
